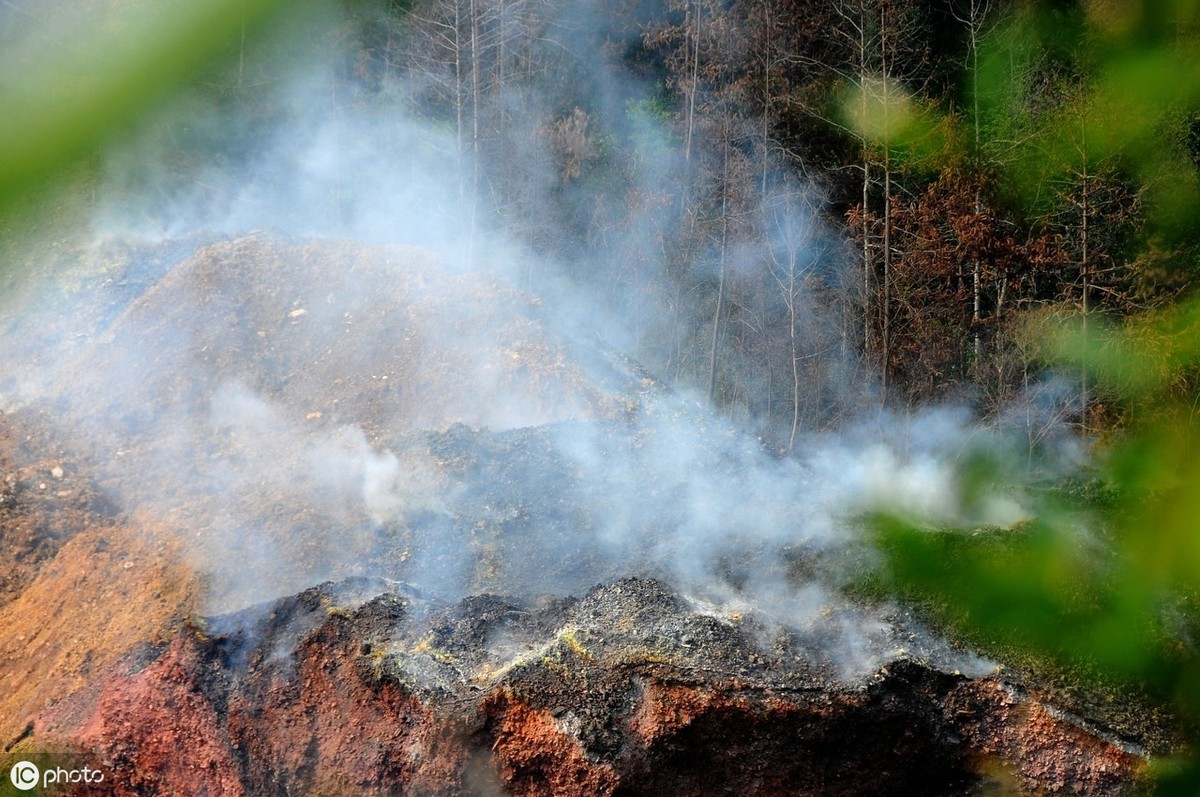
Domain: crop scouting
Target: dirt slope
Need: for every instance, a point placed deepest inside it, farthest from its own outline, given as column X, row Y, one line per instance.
column 386, row 339
column 175, row 413
column 247, row 396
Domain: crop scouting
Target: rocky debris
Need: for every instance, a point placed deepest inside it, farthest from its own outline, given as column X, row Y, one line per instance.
column 46, row 497
column 368, row 687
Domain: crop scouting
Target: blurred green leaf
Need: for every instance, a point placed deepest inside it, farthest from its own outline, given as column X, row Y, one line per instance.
column 76, row 98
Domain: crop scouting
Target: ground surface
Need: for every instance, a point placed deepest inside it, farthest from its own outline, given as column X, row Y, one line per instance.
column 198, row 436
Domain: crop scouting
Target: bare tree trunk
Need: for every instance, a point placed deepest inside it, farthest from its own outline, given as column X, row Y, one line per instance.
column 475, row 103
column 886, row 302
column 974, row 22
column 792, row 322
column 500, row 44
column 856, row 16
column 693, row 85
column 692, row 38
column 716, row 329
column 977, row 302
column 459, row 101
column 868, row 265
column 1084, row 270
column 768, row 25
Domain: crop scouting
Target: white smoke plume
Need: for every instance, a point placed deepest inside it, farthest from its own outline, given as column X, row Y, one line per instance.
column 452, row 405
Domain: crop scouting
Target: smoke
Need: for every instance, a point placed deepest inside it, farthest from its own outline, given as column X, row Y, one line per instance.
column 422, row 369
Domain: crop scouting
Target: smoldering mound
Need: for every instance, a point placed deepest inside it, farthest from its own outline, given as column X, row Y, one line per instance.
column 284, row 402
column 301, row 411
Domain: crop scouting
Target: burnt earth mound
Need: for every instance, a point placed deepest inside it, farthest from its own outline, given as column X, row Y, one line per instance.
column 366, row 687
column 275, row 399
column 217, row 427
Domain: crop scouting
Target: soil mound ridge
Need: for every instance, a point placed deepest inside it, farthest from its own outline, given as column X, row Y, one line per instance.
column 348, row 688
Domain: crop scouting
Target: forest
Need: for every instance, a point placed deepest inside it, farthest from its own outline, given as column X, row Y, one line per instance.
column 786, row 199
column 793, row 208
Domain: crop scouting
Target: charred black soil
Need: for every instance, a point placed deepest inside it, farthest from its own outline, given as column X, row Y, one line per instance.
column 630, row 689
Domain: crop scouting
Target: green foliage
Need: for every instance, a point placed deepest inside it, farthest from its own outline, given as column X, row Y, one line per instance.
column 1059, row 90
column 1104, row 581
column 904, row 124
column 650, row 119
column 123, row 59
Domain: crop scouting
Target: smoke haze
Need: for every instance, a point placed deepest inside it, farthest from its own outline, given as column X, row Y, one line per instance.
column 324, row 340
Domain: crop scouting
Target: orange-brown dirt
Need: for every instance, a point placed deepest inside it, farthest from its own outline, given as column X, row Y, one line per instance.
column 531, row 755
column 45, row 498
column 110, row 589
column 82, row 587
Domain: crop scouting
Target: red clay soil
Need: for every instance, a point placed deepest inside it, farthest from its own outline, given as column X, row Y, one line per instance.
column 338, row 738
column 110, row 589
column 155, row 728
column 1027, row 742
column 532, row 756
column 313, row 730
